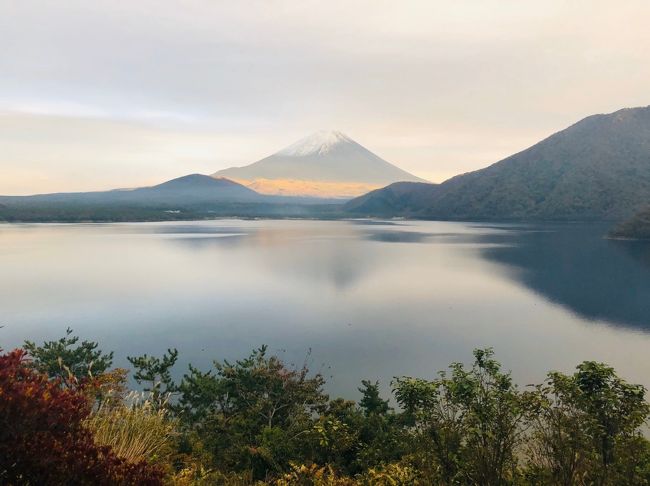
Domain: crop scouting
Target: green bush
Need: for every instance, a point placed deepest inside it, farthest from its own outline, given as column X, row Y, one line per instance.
column 259, row 421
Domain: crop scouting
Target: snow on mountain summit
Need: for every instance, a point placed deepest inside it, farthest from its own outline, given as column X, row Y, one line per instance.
column 319, row 143
column 324, row 164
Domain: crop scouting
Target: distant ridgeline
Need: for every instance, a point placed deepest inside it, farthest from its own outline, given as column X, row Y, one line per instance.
column 310, row 178
column 193, row 196
column 597, row 169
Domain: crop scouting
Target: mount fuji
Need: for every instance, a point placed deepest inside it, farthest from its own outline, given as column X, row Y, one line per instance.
column 324, row 164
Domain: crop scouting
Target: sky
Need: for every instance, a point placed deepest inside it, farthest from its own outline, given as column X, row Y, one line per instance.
column 104, row 94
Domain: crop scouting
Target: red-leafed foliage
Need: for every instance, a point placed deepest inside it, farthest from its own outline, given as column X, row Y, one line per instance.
column 42, row 438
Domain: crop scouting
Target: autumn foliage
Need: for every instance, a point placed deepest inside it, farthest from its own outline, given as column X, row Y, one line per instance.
column 42, row 436
column 66, row 418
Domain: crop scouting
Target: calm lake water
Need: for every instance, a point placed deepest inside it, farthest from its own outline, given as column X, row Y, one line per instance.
column 370, row 299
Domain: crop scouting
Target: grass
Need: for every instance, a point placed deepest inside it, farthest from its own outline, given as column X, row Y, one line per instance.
column 135, row 430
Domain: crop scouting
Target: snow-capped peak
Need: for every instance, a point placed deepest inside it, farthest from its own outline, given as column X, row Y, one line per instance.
column 318, row 143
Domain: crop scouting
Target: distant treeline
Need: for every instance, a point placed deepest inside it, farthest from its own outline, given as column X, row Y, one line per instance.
column 67, row 417
column 75, row 213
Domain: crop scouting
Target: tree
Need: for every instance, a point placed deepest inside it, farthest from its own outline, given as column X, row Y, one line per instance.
column 588, row 429
column 156, row 373
column 255, row 413
column 468, row 423
column 67, row 360
column 381, row 433
column 335, row 437
column 371, row 402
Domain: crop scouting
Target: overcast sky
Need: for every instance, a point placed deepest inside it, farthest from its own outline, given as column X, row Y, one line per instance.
column 103, row 94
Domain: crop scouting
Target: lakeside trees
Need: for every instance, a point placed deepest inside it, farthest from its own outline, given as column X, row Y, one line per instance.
column 257, row 420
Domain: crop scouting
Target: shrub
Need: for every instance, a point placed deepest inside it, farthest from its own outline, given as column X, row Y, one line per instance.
column 467, row 424
column 199, row 476
column 254, row 414
column 313, row 475
column 392, row 475
column 43, row 439
column 587, row 428
column 258, row 421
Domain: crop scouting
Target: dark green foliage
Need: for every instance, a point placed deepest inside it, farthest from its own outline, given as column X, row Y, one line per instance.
column 259, row 419
column 254, row 414
column 68, row 359
column 354, row 439
column 397, row 199
column 635, row 228
column 382, row 436
column 587, row 428
column 155, row 373
column 371, row 403
column 336, row 435
column 467, row 424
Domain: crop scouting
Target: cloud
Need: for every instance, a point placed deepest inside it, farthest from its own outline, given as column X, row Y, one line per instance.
column 46, row 153
column 436, row 87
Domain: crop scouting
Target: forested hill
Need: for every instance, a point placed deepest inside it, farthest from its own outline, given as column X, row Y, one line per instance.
column 635, row 228
column 397, row 199
column 597, row 169
column 194, row 196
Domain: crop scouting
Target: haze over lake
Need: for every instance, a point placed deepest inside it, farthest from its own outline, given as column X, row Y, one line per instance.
column 371, row 299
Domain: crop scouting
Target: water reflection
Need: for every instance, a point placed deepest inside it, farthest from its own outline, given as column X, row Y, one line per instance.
column 638, row 250
column 372, row 299
column 311, row 253
column 398, row 236
column 569, row 265
column 574, row 266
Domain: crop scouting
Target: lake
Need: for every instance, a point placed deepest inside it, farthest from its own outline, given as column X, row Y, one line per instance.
column 356, row 299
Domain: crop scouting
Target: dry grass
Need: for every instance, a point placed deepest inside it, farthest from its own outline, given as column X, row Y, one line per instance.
column 135, row 430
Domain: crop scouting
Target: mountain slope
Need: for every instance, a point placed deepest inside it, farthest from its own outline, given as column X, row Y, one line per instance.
column 322, row 164
column 635, row 228
column 190, row 189
column 599, row 168
column 397, row 199
column 195, row 188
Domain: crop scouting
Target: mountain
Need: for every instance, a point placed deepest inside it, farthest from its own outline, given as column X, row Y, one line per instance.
column 635, row 228
column 194, row 188
column 325, row 164
column 193, row 196
column 186, row 190
column 597, row 169
column 397, row 199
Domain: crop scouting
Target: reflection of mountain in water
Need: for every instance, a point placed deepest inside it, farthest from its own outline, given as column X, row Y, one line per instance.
column 569, row 265
column 574, row 266
column 303, row 254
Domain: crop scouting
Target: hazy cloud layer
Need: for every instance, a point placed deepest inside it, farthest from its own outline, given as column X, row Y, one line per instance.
column 104, row 94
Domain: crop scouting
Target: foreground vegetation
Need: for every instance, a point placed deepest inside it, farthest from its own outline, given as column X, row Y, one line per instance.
column 67, row 417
